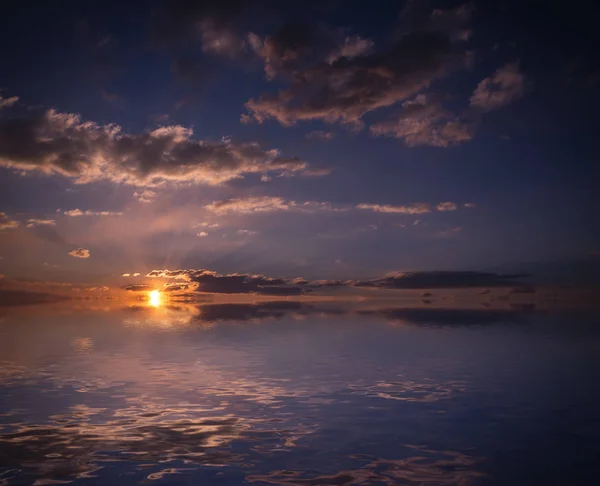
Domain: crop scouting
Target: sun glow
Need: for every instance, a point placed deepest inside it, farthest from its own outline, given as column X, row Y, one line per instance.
column 154, row 297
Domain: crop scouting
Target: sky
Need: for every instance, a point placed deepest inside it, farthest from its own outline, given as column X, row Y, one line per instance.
column 282, row 147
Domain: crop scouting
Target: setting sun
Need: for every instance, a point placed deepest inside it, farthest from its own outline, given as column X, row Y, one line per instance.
column 154, row 296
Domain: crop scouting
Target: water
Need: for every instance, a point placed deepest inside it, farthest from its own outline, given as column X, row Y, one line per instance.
column 292, row 393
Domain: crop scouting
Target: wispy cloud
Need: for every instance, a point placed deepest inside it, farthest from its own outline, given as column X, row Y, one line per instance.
column 7, row 223
column 447, row 206
column 6, row 102
column 506, row 85
column 320, row 135
column 424, row 121
column 31, row 223
column 416, row 208
column 79, row 212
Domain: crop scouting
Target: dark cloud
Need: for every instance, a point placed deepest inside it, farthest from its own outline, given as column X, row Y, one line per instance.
column 213, row 282
column 208, row 23
column 440, row 280
column 62, row 143
column 343, row 82
column 138, row 287
column 202, row 280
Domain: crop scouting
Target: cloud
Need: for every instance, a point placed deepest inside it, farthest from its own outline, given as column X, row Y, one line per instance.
column 7, row 102
column 146, row 196
column 80, row 253
column 210, row 23
column 320, row 135
column 79, row 212
column 202, row 233
column 110, row 97
column 62, row 143
column 138, row 287
column 7, row 223
column 345, row 86
column 448, row 233
column 506, row 85
column 253, row 204
column 265, row 204
column 296, row 45
column 213, row 282
column 440, row 280
column 423, row 121
column 206, row 224
column 416, row 208
column 203, row 280
column 246, row 232
column 447, row 206
column 32, row 223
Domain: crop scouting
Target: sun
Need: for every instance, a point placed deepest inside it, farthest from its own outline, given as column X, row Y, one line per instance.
column 154, row 297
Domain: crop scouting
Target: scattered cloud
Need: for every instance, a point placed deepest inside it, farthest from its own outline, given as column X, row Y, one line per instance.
column 80, row 253
column 424, row 121
column 320, row 135
column 6, row 102
column 79, row 212
column 32, row 223
column 247, row 232
column 7, row 223
column 254, row 204
column 506, row 85
column 447, row 206
column 206, row 224
column 264, row 204
column 417, row 208
column 146, row 196
column 62, row 143
column 202, row 233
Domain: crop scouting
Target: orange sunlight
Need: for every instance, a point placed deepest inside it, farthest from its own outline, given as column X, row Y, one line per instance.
column 155, row 299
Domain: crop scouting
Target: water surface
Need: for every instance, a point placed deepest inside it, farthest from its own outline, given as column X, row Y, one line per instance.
column 296, row 393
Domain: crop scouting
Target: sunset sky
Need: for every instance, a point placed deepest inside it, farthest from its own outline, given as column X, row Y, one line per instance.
column 323, row 140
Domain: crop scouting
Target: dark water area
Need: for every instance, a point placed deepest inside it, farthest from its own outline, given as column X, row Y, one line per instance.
column 287, row 393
